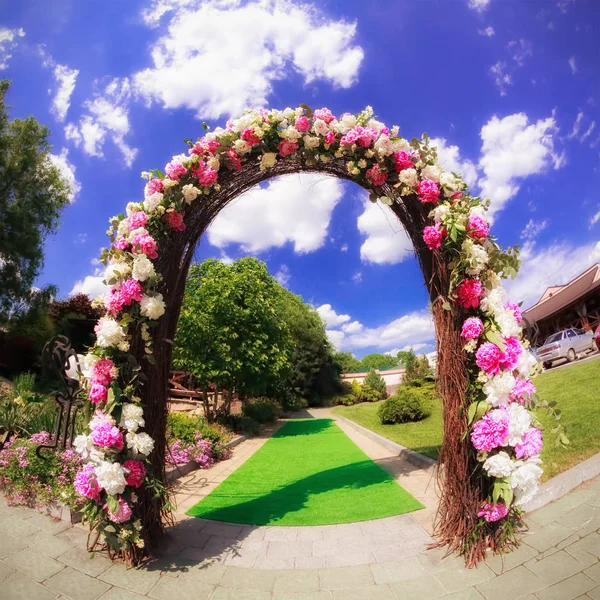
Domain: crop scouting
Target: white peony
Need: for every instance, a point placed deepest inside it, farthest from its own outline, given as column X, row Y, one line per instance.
column 320, row 127
column 123, row 229
column 85, row 448
column 507, row 322
column 111, row 477
column 289, row 113
column 142, row 268
column 291, row 133
column 409, row 178
column 527, row 361
column 525, row 479
column 152, row 307
column 132, row 417
column 440, row 212
column 311, row 142
column 348, row 121
column 244, row 121
column 519, row 423
column 401, row 144
column 449, row 183
column 151, row 203
column 109, row 333
column 268, row 160
column 499, row 465
column 117, row 270
column 139, row 443
column 86, row 363
column 476, row 255
column 384, row 146
column 132, row 207
column 431, row 172
column 498, row 389
column 190, row 192
column 478, row 211
column 493, row 301
column 242, row 147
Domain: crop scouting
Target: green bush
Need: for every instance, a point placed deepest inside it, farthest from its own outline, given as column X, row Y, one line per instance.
column 404, row 406
column 369, row 394
column 181, row 426
column 376, row 383
column 294, row 403
column 346, row 400
column 262, row 410
column 240, row 424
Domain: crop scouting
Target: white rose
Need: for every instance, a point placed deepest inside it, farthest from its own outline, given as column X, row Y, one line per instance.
column 111, row 477
column 268, row 160
column 525, row 480
column 384, row 146
column 152, row 202
column 152, row 307
column 142, row 268
column 139, row 443
column 242, row 147
column 109, row 333
column 132, row 417
column 190, row 192
column 320, row 127
column 291, row 133
column 431, row 172
column 520, row 422
column 499, row 465
column 311, row 142
column 409, row 178
column 400, row 145
column 498, row 389
column 132, row 207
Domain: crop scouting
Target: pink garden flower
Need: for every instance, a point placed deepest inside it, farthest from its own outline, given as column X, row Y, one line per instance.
column 433, row 235
column 146, row 244
column 468, row 293
column 98, row 393
column 489, row 358
column 302, row 124
column 365, row 136
column 491, row 431
column 175, row 220
column 512, row 352
column 137, row 219
column 324, row 114
column 329, row 137
column 515, row 309
column 234, row 159
column 121, row 245
column 136, row 472
column 428, row 191
column 472, row 328
column 130, row 291
column 403, row 161
column 208, row 176
column 250, row 137
column 530, row 444
column 107, row 435
column 522, row 390
column 102, row 371
column 153, row 186
column 376, row 176
column 122, row 515
column 175, row 170
column 113, row 301
column 493, row 512
column 478, row 227
column 351, row 137
column 287, row 147
column 86, row 484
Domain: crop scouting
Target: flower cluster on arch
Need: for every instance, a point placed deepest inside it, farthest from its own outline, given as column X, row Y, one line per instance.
column 500, row 391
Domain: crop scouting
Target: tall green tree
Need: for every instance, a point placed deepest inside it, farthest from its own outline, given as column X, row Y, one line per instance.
column 32, row 196
column 347, row 362
column 378, row 361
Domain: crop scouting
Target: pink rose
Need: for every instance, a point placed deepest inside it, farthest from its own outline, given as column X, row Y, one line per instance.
column 351, row 137
column 302, row 124
column 287, row 147
column 324, row 114
column 250, row 137
column 403, row 161
column 153, row 186
column 329, row 137
column 234, row 159
column 175, row 170
column 137, row 219
column 376, row 176
column 146, row 244
column 478, row 227
column 121, row 245
column 175, row 220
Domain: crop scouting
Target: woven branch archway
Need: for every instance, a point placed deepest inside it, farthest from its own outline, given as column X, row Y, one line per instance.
column 148, row 261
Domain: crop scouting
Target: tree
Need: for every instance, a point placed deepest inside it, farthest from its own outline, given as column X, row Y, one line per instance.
column 417, row 369
column 377, row 383
column 378, row 361
column 347, row 362
column 32, row 196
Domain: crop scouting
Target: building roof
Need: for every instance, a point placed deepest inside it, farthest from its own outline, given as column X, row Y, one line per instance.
column 392, row 371
column 557, row 297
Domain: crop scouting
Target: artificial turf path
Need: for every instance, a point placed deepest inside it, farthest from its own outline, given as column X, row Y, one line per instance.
column 308, row 473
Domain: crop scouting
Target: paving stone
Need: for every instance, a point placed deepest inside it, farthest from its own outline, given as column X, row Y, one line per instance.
column 349, row 559
column 594, row 572
column 36, row 565
column 296, row 581
column 585, row 559
column 287, row 549
column 500, row 563
column 119, row 594
column 372, row 592
column 581, row 517
column 221, row 529
column 5, row 571
column 326, row 547
column 275, row 563
column 567, row 589
column 135, row 580
column 345, row 577
column 423, row 588
column 547, row 537
column 310, row 562
column 245, row 559
column 76, row 536
column 397, row 571
column 82, row 560
column 169, row 588
column 48, row 524
column 76, row 585
column 17, row 527
column 310, row 534
column 460, row 578
column 437, row 559
column 281, row 534
column 321, row 595
column 20, row 587
column 512, row 584
column 594, row 594
column 10, row 545
column 229, row 594
column 251, row 533
column 49, row 544
column 248, row 579
column 590, row 543
column 473, row 594
column 555, row 568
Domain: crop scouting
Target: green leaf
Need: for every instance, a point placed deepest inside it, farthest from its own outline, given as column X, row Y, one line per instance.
column 113, row 504
column 564, row 440
column 495, row 338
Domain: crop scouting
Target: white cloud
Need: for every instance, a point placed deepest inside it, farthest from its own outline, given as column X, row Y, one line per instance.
column 577, row 125
column 225, row 259
column 588, row 131
column 108, row 118
column 533, row 229
column 357, row 277
column 217, row 57
column 501, row 78
column 521, row 50
column 488, row 31
column 386, row 242
column 479, row 5
column 344, row 248
column 81, row 238
column 595, row 218
column 65, row 79
column 353, row 327
column 513, row 149
column 283, row 275
column 335, row 337
column 330, row 317
column 8, row 42
column 91, row 285
column 293, row 208
column 573, row 65
column 449, row 158
column 67, row 170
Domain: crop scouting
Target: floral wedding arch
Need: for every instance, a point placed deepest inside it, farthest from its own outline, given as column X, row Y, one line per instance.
column 490, row 452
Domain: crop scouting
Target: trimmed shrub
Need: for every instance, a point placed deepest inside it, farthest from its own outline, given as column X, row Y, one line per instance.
column 404, row 406
column 186, row 428
column 369, row 394
column 376, row 383
column 262, row 410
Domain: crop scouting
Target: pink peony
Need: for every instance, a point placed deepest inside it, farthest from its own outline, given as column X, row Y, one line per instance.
column 428, row 191
column 468, row 293
column 489, row 358
column 512, row 352
column 121, row 245
column 365, row 136
column 530, row 444
column 146, row 244
column 86, row 484
column 329, row 137
column 208, row 176
column 515, row 309
column 324, row 114
column 175, row 170
column 234, row 159
column 175, row 220
column 98, row 393
column 250, row 137
column 433, row 235
column 137, row 219
column 153, row 186
column 351, row 137
column 286, row 147
column 478, row 227
column 522, row 390
column 493, row 512
column 472, row 328
column 491, row 430
column 113, row 301
column 136, row 473
column 376, row 176
column 102, row 371
column 403, row 161
column 302, row 124
column 107, row 435
column 131, row 290
column 122, row 515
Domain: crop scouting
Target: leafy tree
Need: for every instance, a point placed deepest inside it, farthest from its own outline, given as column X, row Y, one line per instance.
column 403, row 356
column 32, row 196
column 417, row 369
column 377, row 383
column 378, row 361
column 346, row 362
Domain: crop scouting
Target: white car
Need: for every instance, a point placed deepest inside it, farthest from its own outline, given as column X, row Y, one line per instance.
column 566, row 344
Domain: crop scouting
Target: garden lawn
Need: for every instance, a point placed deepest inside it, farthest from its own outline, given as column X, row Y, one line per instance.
column 308, row 473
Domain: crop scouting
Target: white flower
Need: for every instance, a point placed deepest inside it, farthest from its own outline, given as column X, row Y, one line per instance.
column 289, row 114
column 362, row 163
column 440, row 212
column 384, row 146
column 190, row 192
column 375, row 124
column 476, row 255
column 525, row 364
column 117, row 270
column 152, row 307
column 519, row 423
column 507, row 322
column 132, row 417
column 268, row 160
column 169, row 183
column 525, row 479
column 320, row 127
column 139, row 443
column 109, row 333
column 394, row 131
column 132, row 207
column 409, row 178
column 214, row 163
column 493, row 301
column 111, row 477
column 123, row 229
column 311, row 142
column 243, row 122
column 152, row 202
column 291, row 133
column 86, row 363
column 348, row 121
column 401, row 144
column 499, row 465
column 431, row 172
column 242, row 147
column 478, row 211
column 498, row 389
column 449, row 183
column 142, row 268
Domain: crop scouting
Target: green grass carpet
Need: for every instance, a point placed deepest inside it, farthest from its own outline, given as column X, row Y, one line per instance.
column 308, row 473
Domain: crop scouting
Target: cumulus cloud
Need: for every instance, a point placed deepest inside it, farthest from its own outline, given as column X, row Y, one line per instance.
column 283, row 275
column 292, row 208
column 520, row 50
column 218, row 56
column 449, row 158
column 67, row 170
column 9, row 39
column 65, row 84
column 92, row 285
column 330, row 317
column 478, row 5
column 488, row 31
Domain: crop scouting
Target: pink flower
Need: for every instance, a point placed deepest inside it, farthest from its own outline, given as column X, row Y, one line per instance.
column 515, row 309
column 121, row 245
column 472, row 328
column 403, row 161
column 234, row 159
column 489, row 358
column 351, row 137
column 491, row 430
column 208, row 176
column 365, row 136
column 131, row 290
column 153, row 186
column 102, row 371
column 433, row 235
column 522, row 390
column 175, row 170
column 137, row 219
column 478, row 227
column 493, row 512
column 428, row 191
column 468, row 293
column 287, row 147
column 329, row 137
column 324, row 114
column 107, row 435
column 302, row 124
column 250, row 137
column 86, row 484
column 530, row 444
column 113, row 301
column 136, row 473
column 512, row 352
column 146, row 244
column 122, row 515
column 376, row 176
column 98, row 393
column 205, row 145
column 175, row 220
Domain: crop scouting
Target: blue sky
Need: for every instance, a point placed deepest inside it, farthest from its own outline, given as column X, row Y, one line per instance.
column 510, row 90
